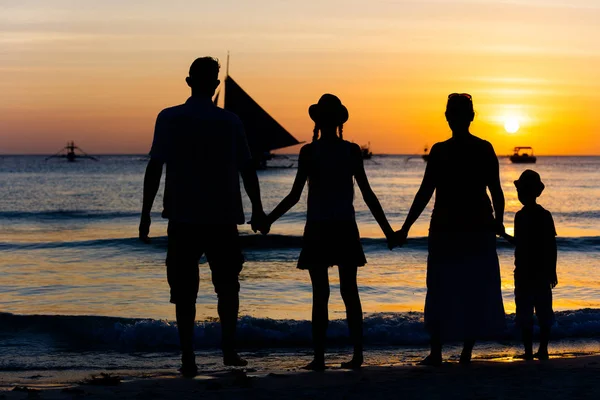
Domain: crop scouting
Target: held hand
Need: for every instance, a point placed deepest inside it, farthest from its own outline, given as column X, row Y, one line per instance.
column 264, row 227
column 553, row 282
column 259, row 222
column 509, row 239
column 401, row 237
column 391, row 241
column 144, row 228
column 500, row 230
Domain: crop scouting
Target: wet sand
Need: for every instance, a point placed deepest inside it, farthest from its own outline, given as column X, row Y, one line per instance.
column 559, row 378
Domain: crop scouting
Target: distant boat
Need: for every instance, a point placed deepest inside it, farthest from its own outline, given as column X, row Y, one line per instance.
column 366, row 151
column 264, row 133
column 425, row 155
column 69, row 153
column 523, row 155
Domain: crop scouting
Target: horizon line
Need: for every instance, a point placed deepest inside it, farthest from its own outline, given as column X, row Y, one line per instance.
column 286, row 154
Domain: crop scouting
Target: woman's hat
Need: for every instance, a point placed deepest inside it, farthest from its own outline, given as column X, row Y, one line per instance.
column 530, row 180
column 328, row 111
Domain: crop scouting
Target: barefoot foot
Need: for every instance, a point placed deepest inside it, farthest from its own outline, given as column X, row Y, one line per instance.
column 524, row 356
column 315, row 365
column 234, row 360
column 431, row 361
column 355, row 363
column 465, row 359
column 188, row 370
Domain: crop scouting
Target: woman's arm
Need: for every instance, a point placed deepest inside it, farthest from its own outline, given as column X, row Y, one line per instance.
column 369, row 196
column 294, row 197
column 421, row 199
column 496, row 191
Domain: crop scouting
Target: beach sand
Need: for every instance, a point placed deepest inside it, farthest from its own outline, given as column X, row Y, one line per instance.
column 559, row 378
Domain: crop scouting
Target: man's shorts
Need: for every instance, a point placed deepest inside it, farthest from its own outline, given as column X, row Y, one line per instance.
column 530, row 297
column 187, row 243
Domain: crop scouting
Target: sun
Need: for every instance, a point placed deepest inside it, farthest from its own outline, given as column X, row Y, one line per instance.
column 511, row 124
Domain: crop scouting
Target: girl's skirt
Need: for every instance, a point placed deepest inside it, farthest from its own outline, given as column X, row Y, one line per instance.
column 329, row 243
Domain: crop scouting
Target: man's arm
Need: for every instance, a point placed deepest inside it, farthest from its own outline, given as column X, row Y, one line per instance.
column 158, row 155
column 247, row 170
column 151, row 185
column 252, row 188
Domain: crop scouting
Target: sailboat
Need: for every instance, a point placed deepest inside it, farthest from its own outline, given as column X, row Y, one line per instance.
column 68, row 152
column 264, row 133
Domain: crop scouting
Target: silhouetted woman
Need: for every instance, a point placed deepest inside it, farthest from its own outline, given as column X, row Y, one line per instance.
column 331, row 237
column 464, row 299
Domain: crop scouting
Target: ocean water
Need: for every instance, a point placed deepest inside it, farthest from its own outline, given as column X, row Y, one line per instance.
column 74, row 277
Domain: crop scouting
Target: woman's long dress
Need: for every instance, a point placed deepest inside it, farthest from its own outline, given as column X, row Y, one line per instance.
column 464, row 298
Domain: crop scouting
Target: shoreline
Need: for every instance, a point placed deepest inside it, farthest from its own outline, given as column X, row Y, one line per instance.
column 557, row 378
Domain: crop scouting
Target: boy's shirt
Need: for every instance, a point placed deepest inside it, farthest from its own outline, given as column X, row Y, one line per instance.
column 535, row 253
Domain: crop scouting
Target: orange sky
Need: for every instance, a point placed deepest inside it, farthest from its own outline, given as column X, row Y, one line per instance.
column 99, row 72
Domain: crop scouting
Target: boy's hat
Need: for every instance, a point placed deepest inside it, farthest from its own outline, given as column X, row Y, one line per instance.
column 530, row 180
column 328, row 111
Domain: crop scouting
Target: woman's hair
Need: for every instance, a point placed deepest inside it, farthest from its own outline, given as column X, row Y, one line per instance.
column 316, row 131
column 460, row 107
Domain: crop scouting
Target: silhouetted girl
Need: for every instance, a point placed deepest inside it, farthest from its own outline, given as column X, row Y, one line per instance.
column 331, row 235
column 464, row 299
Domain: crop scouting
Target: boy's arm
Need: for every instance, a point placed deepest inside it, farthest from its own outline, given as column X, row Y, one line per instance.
column 371, row 199
column 553, row 262
column 552, row 252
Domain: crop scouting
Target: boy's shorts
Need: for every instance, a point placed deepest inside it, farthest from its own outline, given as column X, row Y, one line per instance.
column 534, row 297
column 187, row 243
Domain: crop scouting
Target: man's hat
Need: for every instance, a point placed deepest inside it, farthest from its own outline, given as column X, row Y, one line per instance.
column 328, row 111
column 530, row 180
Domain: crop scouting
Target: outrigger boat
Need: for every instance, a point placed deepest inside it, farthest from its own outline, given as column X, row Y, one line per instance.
column 68, row 152
column 523, row 155
column 425, row 155
column 264, row 133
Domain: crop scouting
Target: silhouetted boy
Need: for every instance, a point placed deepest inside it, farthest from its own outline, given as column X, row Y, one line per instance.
column 535, row 264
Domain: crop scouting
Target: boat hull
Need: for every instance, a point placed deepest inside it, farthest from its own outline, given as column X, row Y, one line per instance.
column 523, row 160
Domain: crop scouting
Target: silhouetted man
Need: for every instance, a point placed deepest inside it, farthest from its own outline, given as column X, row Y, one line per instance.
column 205, row 149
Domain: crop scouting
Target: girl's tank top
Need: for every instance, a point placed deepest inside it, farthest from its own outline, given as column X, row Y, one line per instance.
column 331, row 181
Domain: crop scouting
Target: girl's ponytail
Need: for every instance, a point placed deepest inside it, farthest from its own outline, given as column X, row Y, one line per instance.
column 316, row 133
